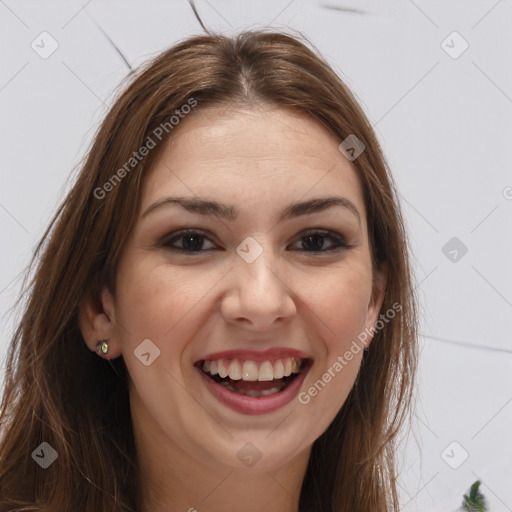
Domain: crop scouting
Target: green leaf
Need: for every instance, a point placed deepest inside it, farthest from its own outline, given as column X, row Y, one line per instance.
column 474, row 501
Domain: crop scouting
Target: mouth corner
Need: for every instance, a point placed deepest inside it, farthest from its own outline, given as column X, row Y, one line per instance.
column 307, row 363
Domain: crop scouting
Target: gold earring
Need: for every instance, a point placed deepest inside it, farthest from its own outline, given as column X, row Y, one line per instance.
column 102, row 345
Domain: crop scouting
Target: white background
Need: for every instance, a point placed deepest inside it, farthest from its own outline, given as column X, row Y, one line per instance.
column 446, row 127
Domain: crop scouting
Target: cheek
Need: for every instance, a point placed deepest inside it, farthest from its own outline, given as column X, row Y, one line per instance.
column 332, row 378
column 168, row 306
column 165, row 303
column 160, row 303
column 340, row 300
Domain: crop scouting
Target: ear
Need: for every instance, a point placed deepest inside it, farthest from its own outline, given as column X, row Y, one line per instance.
column 96, row 318
column 378, row 293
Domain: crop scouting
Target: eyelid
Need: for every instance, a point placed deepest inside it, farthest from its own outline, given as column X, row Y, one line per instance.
column 167, row 239
column 338, row 240
column 324, row 232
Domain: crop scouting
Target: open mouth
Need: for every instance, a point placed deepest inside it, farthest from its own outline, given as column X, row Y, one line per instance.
column 268, row 382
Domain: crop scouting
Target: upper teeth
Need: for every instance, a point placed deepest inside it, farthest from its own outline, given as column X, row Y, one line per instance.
column 251, row 370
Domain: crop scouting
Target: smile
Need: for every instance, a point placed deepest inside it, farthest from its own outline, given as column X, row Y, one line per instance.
column 253, row 371
column 254, row 387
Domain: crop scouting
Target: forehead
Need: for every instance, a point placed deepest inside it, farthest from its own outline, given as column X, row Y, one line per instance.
column 252, row 156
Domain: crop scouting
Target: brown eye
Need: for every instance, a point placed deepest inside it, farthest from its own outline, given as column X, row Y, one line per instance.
column 192, row 242
column 315, row 241
column 186, row 242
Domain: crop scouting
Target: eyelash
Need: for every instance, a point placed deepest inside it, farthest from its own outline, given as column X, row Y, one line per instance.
column 339, row 241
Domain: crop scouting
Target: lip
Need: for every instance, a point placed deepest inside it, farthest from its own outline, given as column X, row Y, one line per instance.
column 256, row 355
column 250, row 405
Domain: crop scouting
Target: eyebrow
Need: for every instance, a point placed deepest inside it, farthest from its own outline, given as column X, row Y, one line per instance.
column 230, row 213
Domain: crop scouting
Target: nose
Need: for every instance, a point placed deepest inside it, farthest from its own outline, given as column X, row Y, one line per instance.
column 259, row 294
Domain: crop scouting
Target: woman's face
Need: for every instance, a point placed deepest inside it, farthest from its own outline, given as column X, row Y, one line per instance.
column 260, row 280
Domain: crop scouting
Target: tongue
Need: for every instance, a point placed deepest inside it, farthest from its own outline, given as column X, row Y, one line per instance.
column 245, row 385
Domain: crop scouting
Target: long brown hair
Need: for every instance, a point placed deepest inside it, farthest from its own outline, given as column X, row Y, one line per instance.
column 59, row 392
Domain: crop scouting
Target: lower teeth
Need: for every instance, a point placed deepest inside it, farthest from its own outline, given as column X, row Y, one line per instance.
column 253, row 392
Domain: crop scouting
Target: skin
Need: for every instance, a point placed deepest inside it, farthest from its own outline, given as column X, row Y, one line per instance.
column 258, row 160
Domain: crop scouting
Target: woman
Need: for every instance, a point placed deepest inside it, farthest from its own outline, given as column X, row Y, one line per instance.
column 221, row 315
